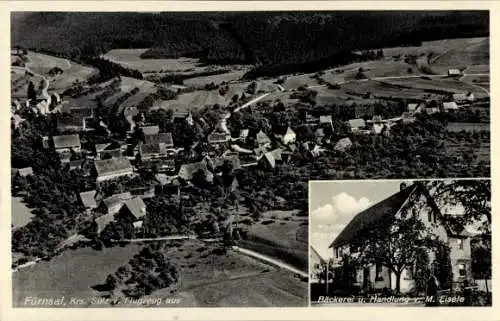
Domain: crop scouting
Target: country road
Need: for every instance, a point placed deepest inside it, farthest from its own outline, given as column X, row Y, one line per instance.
column 270, row 260
column 253, row 101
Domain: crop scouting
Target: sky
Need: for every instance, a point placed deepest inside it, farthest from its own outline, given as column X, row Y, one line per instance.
column 333, row 204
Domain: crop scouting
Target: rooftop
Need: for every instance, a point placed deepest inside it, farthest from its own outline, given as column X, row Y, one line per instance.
column 66, row 141
column 112, row 166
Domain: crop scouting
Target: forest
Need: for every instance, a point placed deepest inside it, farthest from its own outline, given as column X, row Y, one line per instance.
column 288, row 41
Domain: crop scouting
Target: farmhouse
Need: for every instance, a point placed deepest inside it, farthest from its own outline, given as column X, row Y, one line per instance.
column 112, row 168
column 410, row 200
column 326, row 120
column 108, row 150
column 161, row 138
column 187, row 170
column 102, row 221
column 218, row 138
column 150, row 151
column 286, row 135
column 356, row 124
column 262, row 139
column 71, row 123
column 23, row 172
column 462, row 98
column 132, row 209
column 450, row 106
column 65, row 144
column 454, row 72
column 112, row 204
column 150, row 130
column 88, row 199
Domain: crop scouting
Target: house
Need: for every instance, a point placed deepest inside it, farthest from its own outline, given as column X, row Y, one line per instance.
column 343, row 144
column 270, row 159
column 315, row 263
column 65, row 144
column 164, row 165
column 415, row 200
column 108, row 150
column 102, row 221
column 218, row 138
column 150, row 130
column 286, row 135
column 356, row 124
column 462, row 98
column 71, row 123
column 112, row 204
column 454, row 72
column 88, row 199
column 450, row 106
column 432, row 110
column 150, row 151
column 415, row 108
column 23, row 172
column 132, row 210
column 262, row 139
column 160, row 138
column 326, row 120
column 112, row 168
column 187, row 170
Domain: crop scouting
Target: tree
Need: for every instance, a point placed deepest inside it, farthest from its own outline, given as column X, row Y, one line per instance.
column 395, row 243
column 31, row 92
column 473, row 195
column 111, row 282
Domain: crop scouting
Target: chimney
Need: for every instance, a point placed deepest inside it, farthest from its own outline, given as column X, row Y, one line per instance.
column 402, row 186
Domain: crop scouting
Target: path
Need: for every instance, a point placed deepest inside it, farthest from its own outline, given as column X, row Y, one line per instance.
column 271, row 260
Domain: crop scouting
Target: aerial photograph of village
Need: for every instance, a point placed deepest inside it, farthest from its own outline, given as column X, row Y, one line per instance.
column 163, row 159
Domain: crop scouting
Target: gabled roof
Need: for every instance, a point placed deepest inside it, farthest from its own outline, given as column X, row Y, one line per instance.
column 136, row 207
column 150, row 130
column 269, row 157
column 66, row 141
column 81, row 112
column 70, row 121
column 88, row 199
column 107, row 146
column 450, row 105
column 357, row 123
column 218, row 137
column 187, row 170
column 113, row 166
column 164, row 138
column 103, row 221
column 116, row 199
column 317, row 255
column 325, row 119
column 262, row 138
column 148, row 149
column 23, row 171
column 244, row 133
column 381, row 211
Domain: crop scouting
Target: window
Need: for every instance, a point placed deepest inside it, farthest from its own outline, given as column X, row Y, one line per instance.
column 461, row 270
column 337, row 252
column 460, row 243
column 378, row 272
column 429, row 216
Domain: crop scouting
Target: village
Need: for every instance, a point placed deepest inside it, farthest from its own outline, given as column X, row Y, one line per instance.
column 174, row 171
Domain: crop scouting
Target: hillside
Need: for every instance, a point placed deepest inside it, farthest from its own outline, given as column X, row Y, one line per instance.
column 258, row 37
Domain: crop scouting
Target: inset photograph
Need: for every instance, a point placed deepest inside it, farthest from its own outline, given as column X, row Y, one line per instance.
column 400, row 242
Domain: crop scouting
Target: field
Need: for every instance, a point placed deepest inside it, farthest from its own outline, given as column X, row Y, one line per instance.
column 193, row 100
column 71, row 274
column 382, row 90
column 232, row 279
column 216, row 79
column 280, row 234
column 21, row 214
column 207, row 278
column 470, row 127
column 438, row 84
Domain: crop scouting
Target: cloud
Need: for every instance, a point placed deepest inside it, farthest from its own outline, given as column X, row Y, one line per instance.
column 340, row 210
